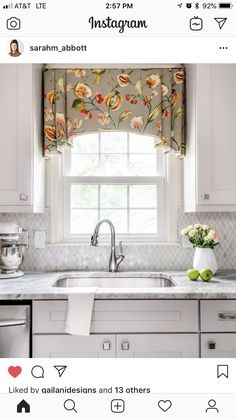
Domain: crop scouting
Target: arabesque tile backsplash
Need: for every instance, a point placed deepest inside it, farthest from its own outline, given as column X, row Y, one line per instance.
column 137, row 257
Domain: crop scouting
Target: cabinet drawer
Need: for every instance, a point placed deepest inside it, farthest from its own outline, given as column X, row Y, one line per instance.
column 122, row 316
column 158, row 346
column 218, row 345
column 65, row 346
column 218, row 316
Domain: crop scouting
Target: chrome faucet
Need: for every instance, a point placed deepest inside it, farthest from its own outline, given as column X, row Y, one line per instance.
column 114, row 260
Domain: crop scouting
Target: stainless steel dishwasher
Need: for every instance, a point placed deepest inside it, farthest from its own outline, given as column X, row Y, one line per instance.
column 14, row 331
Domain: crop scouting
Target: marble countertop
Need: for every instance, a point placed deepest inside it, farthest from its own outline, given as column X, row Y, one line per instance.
column 37, row 286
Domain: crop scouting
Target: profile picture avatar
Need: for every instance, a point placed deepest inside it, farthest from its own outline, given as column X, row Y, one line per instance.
column 15, row 48
column 13, row 23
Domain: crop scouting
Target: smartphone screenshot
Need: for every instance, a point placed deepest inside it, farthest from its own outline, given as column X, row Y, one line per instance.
column 117, row 209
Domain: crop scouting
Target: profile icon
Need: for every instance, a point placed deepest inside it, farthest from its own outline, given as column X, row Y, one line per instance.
column 15, row 48
column 212, row 406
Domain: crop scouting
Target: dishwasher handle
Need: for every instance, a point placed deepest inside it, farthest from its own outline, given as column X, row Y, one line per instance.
column 9, row 323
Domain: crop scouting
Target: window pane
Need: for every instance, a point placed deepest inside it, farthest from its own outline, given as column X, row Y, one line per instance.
column 84, row 164
column 142, row 165
column 86, row 144
column 118, row 218
column 132, row 207
column 141, row 144
column 143, row 221
column 113, row 165
column 84, row 196
column 83, row 221
column 143, row 196
column 114, row 142
column 113, row 196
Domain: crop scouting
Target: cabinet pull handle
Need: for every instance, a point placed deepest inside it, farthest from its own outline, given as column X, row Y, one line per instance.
column 206, row 196
column 9, row 323
column 211, row 344
column 125, row 346
column 23, row 197
column 106, row 346
column 229, row 316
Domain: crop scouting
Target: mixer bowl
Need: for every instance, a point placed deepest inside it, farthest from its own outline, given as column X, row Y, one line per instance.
column 10, row 257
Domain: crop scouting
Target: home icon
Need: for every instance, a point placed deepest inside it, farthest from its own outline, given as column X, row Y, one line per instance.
column 23, row 407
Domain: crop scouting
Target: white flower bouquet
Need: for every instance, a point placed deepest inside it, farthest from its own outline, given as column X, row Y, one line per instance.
column 201, row 236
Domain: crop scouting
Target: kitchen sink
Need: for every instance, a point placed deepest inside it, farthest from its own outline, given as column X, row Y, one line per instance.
column 120, row 282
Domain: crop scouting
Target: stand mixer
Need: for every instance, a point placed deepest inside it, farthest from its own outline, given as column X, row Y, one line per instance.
column 11, row 250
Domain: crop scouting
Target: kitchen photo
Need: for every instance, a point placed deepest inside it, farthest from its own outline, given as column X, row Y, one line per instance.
column 117, row 211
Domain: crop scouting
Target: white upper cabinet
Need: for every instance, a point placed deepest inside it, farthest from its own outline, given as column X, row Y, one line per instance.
column 22, row 168
column 209, row 168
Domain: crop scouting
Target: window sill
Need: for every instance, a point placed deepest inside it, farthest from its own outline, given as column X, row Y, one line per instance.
column 105, row 244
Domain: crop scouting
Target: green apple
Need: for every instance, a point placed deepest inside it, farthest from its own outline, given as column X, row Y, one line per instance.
column 206, row 275
column 193, row 274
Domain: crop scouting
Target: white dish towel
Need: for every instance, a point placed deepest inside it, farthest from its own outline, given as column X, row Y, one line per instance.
column 79, row 311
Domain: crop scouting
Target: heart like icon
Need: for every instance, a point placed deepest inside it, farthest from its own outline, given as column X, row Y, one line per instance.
column 14, row 371
column 164, row 405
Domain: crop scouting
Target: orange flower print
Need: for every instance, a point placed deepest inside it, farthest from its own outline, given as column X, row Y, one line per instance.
column 174, row 99
column 60, row 118
column 83, row 90
column 48, row 114
column 50, row 132
column 51, row 96
column 179, row 77
column 76, row 123
column 73, row 126
column 164, row 90
column 60, row 133
column 113, row 100
column 153, row 80
column 123, row 80
column 149, row 97
column 103, row 118
column 78, row 72
column 69, row 87
column 136, row 122
column 86, row 114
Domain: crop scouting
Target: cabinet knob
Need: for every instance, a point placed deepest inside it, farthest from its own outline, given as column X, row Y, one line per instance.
column 23, row 197
column 211, row 344
column 206, row 196
column 106, row 346
column 125, row 346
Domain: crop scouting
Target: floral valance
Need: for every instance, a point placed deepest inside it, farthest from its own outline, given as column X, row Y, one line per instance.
column 145, row 101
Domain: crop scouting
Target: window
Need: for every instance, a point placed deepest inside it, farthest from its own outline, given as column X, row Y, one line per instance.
column 115, row 175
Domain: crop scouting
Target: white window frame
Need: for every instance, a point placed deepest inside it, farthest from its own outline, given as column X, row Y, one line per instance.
column 169, row 190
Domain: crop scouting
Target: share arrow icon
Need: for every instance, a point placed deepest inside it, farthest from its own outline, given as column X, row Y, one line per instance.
column 221, row 21
column 60, row 369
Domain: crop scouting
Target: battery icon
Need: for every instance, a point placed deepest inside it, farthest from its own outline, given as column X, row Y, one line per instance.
column 225, row 5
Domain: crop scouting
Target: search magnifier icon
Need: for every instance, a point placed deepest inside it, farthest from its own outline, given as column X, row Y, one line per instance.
column 69, row 405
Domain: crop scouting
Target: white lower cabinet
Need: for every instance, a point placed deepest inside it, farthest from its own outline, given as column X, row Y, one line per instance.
column 139, row 329
column 66, row 346
column 158, row 346
column 218, row 345
column 119, row 346
column 218, row 326
column 120, row 328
